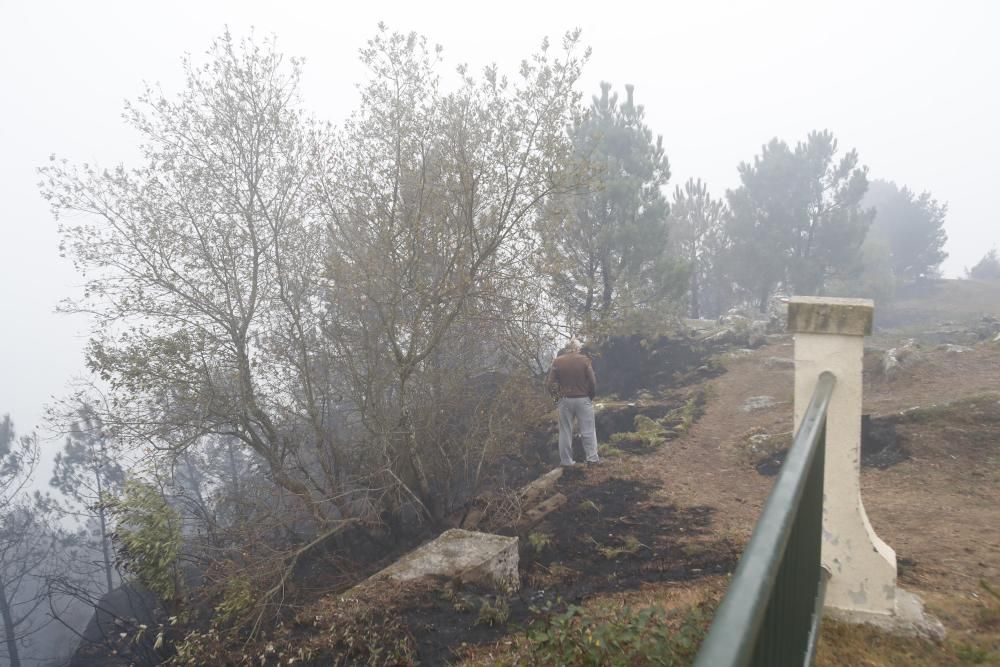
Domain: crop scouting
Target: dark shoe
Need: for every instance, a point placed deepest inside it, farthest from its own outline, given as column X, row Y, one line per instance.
column 595, row 463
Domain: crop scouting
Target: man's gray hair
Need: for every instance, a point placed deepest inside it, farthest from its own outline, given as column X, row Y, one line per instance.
column 573, row 345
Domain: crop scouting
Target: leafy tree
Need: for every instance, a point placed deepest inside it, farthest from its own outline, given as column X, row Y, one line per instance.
column 913, row 227
column 697, row 231
column 88, row 471
column 797, row 217
column 605, row 248
column 987, row 268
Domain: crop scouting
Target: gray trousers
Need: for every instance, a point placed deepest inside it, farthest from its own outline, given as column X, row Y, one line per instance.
column 583, row 410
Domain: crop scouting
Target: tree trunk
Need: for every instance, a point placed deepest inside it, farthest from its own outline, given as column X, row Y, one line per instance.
column 765, row 294
column 105, row 552
column 695, row 304
column 8, row 628
column 427, row 497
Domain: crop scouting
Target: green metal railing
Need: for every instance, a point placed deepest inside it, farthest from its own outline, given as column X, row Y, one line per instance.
column 771, row 613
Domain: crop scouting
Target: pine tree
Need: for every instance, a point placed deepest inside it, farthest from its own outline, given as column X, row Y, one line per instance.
column 606, row 249
column 797, row 217
column 697, row 231
column 913, row 227
column 987, row 268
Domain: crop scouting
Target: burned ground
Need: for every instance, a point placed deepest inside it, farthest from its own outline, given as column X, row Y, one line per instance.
column 610, row 536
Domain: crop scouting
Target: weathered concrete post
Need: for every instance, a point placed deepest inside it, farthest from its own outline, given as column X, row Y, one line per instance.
column 829, row 336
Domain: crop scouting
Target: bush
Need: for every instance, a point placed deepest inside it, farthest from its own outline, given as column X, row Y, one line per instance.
column 148, row 539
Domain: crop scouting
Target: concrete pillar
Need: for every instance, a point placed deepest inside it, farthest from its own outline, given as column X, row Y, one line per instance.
column 829, row 336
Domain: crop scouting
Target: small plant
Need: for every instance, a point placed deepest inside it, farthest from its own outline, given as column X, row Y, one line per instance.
column 648, row 433
column 539, row 541
column 588, row 505
column 148, row 539
column 630, row 546
column 237, row 599
column 681, row 419
column 493, row 614
column 609, row 451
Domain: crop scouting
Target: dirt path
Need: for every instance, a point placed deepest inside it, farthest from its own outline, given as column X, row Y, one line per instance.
column 938, row 509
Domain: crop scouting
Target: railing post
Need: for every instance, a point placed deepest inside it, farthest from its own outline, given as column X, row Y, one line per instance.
column 829, row 336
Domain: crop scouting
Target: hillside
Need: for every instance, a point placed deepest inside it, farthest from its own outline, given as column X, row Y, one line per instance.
column 629, row 558
column 937, row 304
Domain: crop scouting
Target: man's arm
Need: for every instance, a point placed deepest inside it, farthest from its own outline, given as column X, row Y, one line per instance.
column 591, row 381
column 552, row 382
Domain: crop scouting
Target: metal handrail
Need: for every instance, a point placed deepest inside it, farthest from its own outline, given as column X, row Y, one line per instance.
column 771, row 612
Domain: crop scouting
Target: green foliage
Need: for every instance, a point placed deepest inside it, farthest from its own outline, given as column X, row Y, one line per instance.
column 148, row 538
column 630, row 545
column 605, row 250
column 539, row 541
column 796, row 218
column 493, row 614
column 609, row 451
column 697, row 232
column 626, row 637
column 648, row 432
column 911, row 225
column 589, row 505
column 681, row 419
column 237, row 599
column 873, row 277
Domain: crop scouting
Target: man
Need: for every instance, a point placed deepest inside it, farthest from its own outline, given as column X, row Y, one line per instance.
column 572, row 380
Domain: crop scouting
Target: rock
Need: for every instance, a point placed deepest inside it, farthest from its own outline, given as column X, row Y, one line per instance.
column 758, row 403
column 890, row 364
column 948, row 348
column 533, row 492
column 783, row 363
column 895, row 358
column 474, row 558
column 542, row 510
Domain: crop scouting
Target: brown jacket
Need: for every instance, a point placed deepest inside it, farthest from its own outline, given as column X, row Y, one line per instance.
column 572, row 376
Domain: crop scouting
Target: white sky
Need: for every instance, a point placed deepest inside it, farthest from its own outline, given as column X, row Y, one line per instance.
column 912, row 85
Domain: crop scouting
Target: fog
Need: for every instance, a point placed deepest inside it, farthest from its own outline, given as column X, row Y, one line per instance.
column 909, row 85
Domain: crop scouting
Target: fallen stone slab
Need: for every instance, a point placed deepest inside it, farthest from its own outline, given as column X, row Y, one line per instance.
column 540, row 488
column 481, row 559
column 542, row 510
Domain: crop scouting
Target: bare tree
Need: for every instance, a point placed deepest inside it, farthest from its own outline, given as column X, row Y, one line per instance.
column 431, row 199
column 201, row 270
column 88, row 472
column 26, row 543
